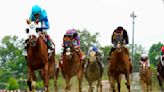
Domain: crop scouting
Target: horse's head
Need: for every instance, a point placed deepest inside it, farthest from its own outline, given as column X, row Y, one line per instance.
column 92, row 57
column 32, row 31
column 118, row 41
column 68, row 48
column 144, row 65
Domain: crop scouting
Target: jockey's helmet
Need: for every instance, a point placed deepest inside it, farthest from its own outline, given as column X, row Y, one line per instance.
column 144, row 56
column 162, row 49
column 36, row 9
column 120, row 28
column 71, row 31
column 94, row 48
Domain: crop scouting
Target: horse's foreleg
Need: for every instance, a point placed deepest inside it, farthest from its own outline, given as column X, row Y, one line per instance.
column 112, row 83
column 46, row 77
column 160, row 82
column 79, row 76
column 55, row 79
column 128, row 82
column 67, row 79
column 29, row 79
column 90, row 86
column 99, row 85
column 143, row 86
column 119, row 83
column 33, row 80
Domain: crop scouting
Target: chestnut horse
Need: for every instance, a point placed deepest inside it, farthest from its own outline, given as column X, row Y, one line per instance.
column 160, row 72
column 37, row 56
column 53, row 71
column 93, row 71
column 71, row 65
column 119, row 64
column 145, row 77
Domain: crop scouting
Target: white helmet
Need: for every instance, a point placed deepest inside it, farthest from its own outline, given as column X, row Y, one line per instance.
column 144, row 56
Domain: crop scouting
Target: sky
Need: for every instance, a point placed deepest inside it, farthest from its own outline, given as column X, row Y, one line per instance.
column 101, row 16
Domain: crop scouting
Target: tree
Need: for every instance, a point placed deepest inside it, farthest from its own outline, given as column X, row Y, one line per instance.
column 105, row 50
column 12, row 84
column 154, row 52
column 87, row 40
column 11, row 60
column 138, row 50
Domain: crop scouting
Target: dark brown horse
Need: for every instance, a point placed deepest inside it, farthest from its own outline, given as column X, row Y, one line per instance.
column 71, row 65
column 145, row 77
column 160, row 72
column 37, row 57
column 93, row 72
column 119, row 64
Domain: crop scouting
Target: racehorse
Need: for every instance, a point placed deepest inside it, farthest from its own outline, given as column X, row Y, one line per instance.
column 37, row 56
column 93, row 71
column 145, row 77
column 71, row 65
column 160, row 72
column 53, row 71
column 119, row 64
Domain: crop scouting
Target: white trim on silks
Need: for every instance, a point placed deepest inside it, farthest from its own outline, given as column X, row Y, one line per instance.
column 24, row 52
column 162, row 62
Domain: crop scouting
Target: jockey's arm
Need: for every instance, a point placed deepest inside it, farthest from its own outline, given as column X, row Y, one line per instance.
column 125, row 36
column 112, row 39
column 45, row 23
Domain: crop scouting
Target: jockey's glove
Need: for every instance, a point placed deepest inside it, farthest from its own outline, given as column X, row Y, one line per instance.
column 39, row 29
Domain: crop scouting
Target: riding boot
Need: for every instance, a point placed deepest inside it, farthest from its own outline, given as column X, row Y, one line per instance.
column 49, row 42
column 110, row 53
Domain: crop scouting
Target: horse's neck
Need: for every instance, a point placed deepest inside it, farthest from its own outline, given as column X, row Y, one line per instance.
column 119, row 54
column 40, row 44
column 92, row 67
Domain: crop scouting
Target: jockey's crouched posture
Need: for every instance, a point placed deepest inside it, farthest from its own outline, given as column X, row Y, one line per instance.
column 99, row 55
column 125, row 40
column 39, row 15
column 72, row 33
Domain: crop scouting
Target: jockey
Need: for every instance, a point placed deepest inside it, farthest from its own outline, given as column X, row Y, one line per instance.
column 75, row 41
column 144, row 59
column 98, row 54
column 125, row 39
column 39, row 15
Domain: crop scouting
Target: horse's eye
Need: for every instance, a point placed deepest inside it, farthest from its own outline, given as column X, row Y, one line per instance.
column 27, row 30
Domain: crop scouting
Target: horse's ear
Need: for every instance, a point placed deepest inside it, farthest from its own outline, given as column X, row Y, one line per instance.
column 27, row 30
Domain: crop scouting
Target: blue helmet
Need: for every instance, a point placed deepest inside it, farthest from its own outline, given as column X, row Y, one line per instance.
column 36, row 9
column 94, row 48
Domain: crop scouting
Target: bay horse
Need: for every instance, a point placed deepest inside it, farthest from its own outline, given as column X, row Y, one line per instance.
column 37, row 56
column 145, row 77
column 160, row 72
column 93, row 72
column 119, row 64
column 71, row 65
